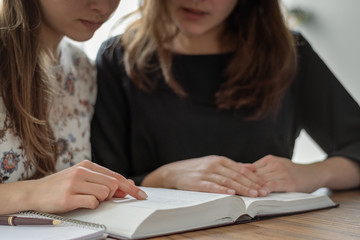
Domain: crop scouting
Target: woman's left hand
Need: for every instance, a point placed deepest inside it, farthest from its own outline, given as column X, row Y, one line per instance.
column 282, row 175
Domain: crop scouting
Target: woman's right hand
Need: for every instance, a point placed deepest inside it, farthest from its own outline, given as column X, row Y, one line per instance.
column 214, row 174
column 84, row 185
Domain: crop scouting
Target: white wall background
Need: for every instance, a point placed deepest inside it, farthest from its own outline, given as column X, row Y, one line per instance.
column 333, row 31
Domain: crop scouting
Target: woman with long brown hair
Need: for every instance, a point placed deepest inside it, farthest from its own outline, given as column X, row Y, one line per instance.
column 48, row 90
column 210, row 95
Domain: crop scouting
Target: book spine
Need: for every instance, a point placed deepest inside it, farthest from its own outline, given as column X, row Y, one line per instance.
column 64, row 220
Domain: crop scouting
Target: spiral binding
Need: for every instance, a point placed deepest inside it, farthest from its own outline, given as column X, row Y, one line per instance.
column 68, row 221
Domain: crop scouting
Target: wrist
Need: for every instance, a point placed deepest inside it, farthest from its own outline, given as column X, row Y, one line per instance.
column 326, row 174
column 342, row 173
column 311, row 177
column 17, row 197
column 157, row 178
column 28, row 196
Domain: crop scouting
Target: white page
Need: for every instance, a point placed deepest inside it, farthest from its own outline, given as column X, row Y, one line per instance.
column 277, row 203
column 159, row 198
column 290, row 196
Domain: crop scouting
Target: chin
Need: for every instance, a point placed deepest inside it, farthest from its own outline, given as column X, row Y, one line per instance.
column 193, row 32
column 81, row 37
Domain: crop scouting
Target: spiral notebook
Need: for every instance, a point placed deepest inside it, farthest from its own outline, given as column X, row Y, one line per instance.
column 69, row 229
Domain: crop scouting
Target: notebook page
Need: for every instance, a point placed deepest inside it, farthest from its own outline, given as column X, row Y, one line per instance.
column 62, row 231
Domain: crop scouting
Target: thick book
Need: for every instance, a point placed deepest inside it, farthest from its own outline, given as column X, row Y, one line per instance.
column 168, row 211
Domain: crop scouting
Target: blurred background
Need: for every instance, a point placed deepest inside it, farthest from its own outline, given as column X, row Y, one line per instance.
column 331, row 26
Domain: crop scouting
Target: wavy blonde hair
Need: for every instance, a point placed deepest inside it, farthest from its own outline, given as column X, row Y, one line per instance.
column 259, row 73
column 24, row 82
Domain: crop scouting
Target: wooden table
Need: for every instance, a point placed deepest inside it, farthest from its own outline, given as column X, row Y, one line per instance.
column 336, row 223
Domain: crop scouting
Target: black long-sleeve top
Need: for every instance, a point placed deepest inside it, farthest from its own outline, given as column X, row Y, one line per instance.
column 135, row 132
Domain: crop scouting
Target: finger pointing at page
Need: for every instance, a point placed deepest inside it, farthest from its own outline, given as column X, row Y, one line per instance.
column 124, row 186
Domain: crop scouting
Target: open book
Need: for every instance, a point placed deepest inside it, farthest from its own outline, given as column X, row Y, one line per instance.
column 168, row 211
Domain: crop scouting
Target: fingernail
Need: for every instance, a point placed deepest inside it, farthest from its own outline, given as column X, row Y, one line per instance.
column 263, row 192
column 253, row 193
column 231, row 191
column 142, row 195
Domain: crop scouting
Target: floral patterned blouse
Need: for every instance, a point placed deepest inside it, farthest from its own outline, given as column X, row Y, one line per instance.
column 70, row 117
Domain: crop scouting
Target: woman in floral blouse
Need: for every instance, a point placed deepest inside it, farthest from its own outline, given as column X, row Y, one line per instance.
column 47, row 97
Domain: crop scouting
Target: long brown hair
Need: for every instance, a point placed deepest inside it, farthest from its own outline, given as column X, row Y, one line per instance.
column 24, row 82
column 259, row 73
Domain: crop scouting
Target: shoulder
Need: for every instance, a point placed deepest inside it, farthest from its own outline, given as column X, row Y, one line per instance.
column 112, row 43
column 110, row 63
column 307, row 58
column 77, row 72
column 73, row 53
column 303, row 47
column 111, row 50
column 74, row 61
column 312, row 73
column 110, row 59
column 299, row 39
column 73, row 58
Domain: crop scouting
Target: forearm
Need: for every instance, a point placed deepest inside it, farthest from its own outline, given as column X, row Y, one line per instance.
column 340, row 173
column 280, row 174
column 16, row 197
column 157, row 178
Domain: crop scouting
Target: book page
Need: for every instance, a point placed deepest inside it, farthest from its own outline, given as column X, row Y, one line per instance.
column 278, row 197
column 278, row 203
column 169, row 199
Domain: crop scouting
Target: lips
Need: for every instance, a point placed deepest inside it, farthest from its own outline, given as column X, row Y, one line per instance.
column 93, row 26
column 194, row 11
column 194, row 14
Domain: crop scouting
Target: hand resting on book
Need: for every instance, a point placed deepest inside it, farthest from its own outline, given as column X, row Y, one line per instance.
column 215, row 174
column 282, row 175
